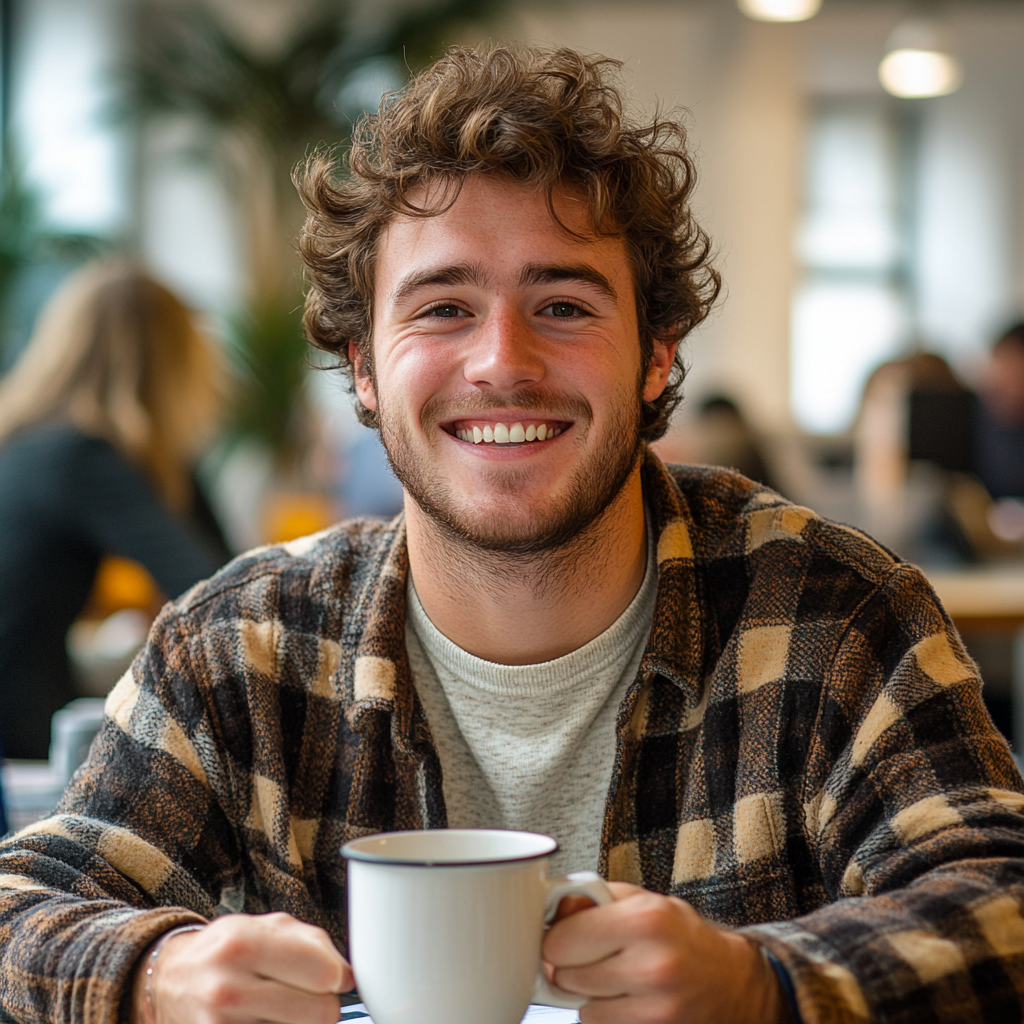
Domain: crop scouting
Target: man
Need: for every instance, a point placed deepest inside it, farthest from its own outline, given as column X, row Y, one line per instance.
column 740, row 713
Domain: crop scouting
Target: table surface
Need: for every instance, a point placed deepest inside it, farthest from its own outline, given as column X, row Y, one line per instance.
column 995, row 593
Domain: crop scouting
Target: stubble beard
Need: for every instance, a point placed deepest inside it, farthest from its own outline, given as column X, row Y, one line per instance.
column 560, row 524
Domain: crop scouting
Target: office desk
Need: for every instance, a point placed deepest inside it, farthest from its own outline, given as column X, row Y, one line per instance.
column 980, row 598
column 990, row 600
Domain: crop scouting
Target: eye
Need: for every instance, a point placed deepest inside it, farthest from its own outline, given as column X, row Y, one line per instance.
column 446, row 311
column 564, row 310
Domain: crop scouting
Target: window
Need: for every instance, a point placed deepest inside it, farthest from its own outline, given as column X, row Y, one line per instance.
column 851, row 309
column 60, row 93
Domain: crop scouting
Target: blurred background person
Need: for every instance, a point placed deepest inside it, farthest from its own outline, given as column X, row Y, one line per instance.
column 914, row 408
column 718, row 434
column 920, row 425
column 1000, row 421
column 100, row 420
column 725, row 437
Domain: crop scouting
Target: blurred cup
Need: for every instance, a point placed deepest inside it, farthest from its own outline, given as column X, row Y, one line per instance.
column 445, row 925
column 101, row 652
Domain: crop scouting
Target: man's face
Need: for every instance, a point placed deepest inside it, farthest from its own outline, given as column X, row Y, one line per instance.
column 507, row 374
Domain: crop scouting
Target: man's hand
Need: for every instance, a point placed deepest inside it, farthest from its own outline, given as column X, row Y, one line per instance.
column 241, row 969
column 650, row 959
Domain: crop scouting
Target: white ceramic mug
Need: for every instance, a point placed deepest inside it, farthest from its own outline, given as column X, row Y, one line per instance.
column 445, row 925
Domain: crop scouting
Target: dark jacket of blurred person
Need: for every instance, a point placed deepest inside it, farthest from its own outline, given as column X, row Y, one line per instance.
column 3, row 809
column 1000, row 423
column 99, row 421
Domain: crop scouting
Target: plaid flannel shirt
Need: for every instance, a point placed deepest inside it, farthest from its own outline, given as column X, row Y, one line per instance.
column 804, row 753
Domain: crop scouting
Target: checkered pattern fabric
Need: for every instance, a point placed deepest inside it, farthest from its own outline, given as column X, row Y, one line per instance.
column 804, row 753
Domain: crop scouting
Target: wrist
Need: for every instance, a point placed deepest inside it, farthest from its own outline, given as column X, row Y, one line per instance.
column 775, row 1003
column 143, row 998
column 755, row 993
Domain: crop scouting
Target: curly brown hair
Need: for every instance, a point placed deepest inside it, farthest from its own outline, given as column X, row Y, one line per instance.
column 539, row 117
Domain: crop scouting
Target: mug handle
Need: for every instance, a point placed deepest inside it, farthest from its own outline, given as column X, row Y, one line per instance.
column 578, row 883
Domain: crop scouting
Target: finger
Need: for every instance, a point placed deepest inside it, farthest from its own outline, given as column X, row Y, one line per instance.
column 604, row 979
column 569, row 905
column 286, row 950
column 640, row 968
column 623, row 1008
column 640, row 916
column 275, row 1003
column 591, row 934
column 306, row 958
column 605, row 1011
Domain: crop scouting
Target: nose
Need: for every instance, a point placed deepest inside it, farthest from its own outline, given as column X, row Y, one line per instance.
column 505, row 353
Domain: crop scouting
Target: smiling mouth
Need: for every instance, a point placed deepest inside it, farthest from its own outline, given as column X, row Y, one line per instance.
column 520, row 432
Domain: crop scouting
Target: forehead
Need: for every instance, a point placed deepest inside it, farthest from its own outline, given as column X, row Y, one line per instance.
column 499, row 225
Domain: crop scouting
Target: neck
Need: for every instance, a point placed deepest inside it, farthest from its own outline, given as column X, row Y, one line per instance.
column 522, row 610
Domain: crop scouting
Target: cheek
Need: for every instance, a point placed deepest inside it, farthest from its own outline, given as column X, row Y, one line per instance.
column 412, row 375
column 423, row 369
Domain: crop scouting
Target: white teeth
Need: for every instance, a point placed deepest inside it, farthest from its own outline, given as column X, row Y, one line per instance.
column 502, row 433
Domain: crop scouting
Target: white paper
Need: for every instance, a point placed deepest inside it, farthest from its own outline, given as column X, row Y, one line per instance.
column 356, row 1014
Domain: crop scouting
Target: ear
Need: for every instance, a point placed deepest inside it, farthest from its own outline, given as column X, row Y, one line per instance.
column 363, row 381
column 659, row 368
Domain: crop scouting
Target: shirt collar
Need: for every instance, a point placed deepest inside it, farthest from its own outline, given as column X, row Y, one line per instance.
column 676, row 646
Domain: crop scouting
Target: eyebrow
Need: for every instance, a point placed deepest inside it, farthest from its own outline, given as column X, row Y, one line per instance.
column 545, row 273
column 457, row 273
column 531, row 274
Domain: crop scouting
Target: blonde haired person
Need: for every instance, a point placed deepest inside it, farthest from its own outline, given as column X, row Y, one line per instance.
column 99, row 422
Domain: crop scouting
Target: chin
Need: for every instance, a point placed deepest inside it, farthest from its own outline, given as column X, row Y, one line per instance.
column 487, row 525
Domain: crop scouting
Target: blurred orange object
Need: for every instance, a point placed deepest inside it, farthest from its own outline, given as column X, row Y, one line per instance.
column 121, row 583
column 291, row 514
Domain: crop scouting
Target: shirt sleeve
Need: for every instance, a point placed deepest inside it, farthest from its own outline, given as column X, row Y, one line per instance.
column 113, row 503
column 143, row 840
column 918, row 830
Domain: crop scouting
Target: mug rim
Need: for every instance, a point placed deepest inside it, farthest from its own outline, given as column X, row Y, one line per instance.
column 351, row 850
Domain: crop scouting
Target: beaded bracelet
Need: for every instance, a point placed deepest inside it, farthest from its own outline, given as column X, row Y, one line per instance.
column 180, row 930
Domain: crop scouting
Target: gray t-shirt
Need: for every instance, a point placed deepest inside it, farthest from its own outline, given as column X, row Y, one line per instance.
column 530, row 747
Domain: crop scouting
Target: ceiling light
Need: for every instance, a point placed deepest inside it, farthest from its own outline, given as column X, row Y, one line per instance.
column 780, row 10
column 918, row 64
column 916, row 74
